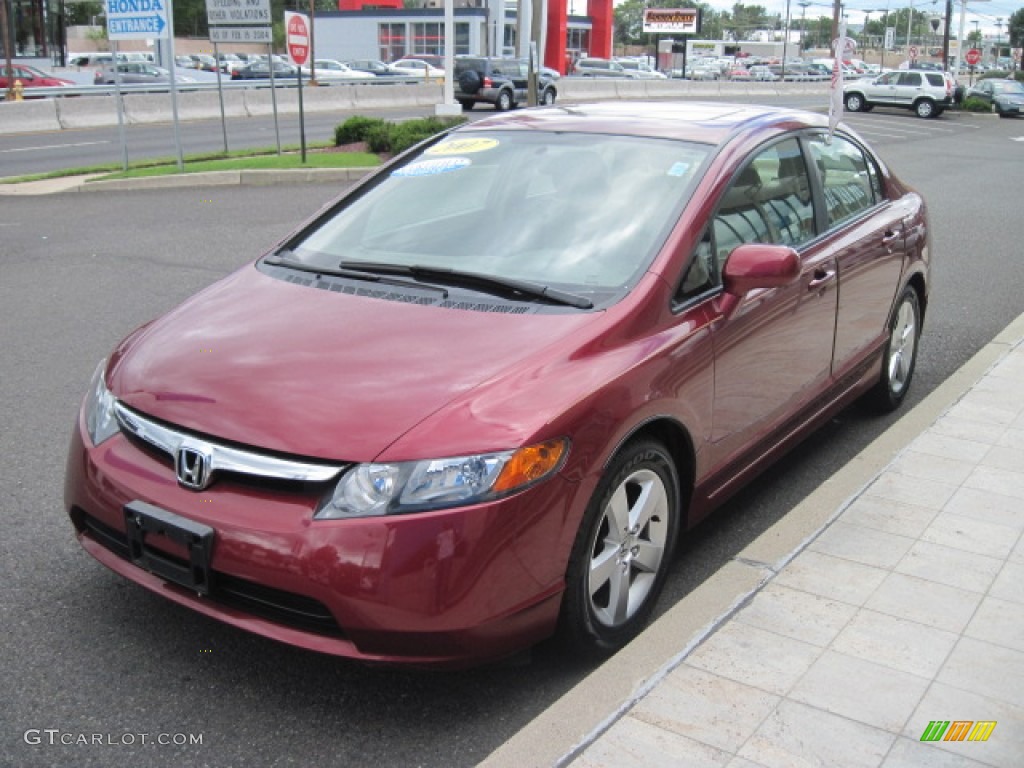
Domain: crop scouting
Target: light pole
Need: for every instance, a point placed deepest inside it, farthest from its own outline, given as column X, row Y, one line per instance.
column 867, row 18
column 999, row 37
column 910, row 23
column 803, row 22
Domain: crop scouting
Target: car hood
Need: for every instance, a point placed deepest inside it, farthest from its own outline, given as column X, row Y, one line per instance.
column 262, row 362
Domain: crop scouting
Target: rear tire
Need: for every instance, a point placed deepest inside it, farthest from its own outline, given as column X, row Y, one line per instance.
column 925, row 108
column 623, row 550
column 900, row 355
column 854, row 102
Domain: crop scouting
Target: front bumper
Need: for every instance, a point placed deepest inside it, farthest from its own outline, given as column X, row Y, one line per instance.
column 452, row 587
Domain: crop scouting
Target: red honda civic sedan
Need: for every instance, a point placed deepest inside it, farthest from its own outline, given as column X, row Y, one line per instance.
column 473, row 402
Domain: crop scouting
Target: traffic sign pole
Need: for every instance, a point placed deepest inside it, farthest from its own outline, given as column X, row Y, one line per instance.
column 297, row 39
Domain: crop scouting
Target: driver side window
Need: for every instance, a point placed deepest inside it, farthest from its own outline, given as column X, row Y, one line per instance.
column 768, row 201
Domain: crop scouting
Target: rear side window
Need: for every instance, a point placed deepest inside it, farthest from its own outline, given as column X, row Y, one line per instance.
column 910, row 78
column 936, row 80
column 848, row 178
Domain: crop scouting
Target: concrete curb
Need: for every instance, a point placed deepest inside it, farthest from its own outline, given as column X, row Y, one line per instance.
column 583, row 714
column 209, row 179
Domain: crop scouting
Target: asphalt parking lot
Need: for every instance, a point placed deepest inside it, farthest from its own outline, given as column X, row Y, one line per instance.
column 88, row 654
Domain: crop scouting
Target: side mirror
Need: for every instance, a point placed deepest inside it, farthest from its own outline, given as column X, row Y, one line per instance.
column 757, row 265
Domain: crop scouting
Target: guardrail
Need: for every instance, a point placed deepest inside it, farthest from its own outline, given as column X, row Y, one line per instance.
column 199, row 101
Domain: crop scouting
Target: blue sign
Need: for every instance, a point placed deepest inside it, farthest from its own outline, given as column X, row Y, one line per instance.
column 135, row 19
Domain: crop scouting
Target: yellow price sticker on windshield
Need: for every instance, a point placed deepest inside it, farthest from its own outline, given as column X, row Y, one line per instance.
column 462, row 146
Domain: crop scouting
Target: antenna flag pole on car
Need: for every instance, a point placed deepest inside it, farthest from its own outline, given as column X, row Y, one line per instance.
column 835, row 106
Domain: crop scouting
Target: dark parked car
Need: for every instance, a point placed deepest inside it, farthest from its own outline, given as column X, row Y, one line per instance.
column 260, row 70
column 503, row 83
column 1006, row 97
column 374, row 66
column 476, row 399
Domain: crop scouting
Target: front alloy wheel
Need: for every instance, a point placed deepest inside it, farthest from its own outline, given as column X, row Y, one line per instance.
column 854, row 102
column 623, row 549
column 504, row 102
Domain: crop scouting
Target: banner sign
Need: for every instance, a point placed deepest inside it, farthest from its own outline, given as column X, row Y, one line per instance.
column 679, row 21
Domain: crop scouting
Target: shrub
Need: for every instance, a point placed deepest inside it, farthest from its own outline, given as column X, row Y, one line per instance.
column 382, row 136
column 411, row 132
column 356, row 129
column 974, row 104
column 378, row 137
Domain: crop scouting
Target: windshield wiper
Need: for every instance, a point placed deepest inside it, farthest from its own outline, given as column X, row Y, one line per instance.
column 492, row 283
column 372, row 276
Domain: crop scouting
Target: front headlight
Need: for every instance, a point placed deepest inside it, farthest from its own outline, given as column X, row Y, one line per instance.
column 100, row 420
column 414, row 486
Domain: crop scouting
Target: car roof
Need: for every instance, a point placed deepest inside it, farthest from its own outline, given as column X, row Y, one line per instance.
column 704, row 122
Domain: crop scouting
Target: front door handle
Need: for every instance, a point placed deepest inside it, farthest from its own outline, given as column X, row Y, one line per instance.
column 822, row 277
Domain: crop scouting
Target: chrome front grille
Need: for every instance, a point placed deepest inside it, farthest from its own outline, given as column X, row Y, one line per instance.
column 198, row 460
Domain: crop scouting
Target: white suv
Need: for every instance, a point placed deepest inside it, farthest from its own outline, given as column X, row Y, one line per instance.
column 926, row 92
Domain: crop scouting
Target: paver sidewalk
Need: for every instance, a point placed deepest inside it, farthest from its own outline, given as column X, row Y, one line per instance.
column 893, row 636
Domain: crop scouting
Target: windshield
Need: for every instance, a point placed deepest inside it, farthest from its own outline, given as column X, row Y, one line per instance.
column 1011, row 87
column 581, row 211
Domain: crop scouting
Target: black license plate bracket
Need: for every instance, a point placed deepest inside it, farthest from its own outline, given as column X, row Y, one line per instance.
column 194, row 572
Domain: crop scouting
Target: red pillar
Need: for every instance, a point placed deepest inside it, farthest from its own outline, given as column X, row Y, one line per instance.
column 602, row 18
column 557, row 34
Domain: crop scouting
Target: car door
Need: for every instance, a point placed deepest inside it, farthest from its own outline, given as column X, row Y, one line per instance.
column 867, row 234
column 910, row 85
column 773, row 353
column 882, row 90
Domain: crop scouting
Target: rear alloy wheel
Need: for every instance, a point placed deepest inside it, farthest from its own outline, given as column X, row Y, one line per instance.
column 925, row 108
column 854, row 102
column 900, row 352
column 504, row 102
column 623, row 550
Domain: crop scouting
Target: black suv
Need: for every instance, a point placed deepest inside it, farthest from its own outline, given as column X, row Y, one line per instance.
column 501, row 82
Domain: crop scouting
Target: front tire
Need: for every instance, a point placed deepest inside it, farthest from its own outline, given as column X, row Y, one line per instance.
column 900, row 353
column 549, row 97
column 623, row 550
column 854, row 102
column 504, row 102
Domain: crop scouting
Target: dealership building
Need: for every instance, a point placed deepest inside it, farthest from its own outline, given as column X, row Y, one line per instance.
column 365, row 29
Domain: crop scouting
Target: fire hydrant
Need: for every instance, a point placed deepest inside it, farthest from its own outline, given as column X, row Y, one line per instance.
column 18, row 90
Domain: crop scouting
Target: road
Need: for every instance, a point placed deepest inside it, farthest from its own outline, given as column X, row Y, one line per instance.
column 28, row 153
column 87, row 653
column 22, row 154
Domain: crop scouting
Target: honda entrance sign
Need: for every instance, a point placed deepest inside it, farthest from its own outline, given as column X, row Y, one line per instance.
column 135, row 19
column 297, row 36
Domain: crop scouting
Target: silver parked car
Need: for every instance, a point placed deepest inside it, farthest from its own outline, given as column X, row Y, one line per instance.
column 927, row 93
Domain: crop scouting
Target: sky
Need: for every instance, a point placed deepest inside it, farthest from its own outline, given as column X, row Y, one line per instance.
column 986, row 12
